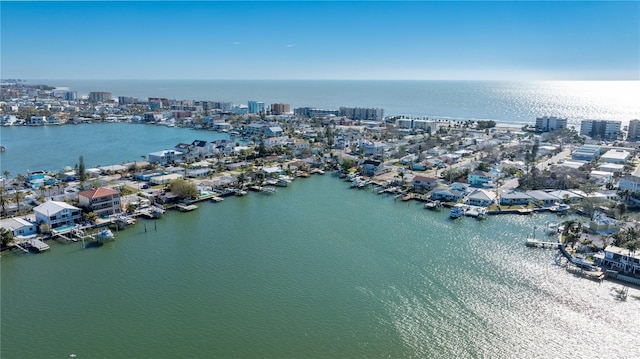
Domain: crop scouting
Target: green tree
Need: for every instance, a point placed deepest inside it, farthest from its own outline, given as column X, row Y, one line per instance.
column 483, row 166
column 184, row 189
column 6, row 174
column 17, row 198
column 6, row 236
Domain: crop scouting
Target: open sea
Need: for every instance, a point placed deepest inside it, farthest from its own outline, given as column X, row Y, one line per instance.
column 316, row 270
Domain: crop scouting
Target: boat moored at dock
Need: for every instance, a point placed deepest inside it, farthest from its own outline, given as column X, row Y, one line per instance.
column 457, row 211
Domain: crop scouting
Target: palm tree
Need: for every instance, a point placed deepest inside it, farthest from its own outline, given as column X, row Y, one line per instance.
column 6, row 174
column 3, row 201
column 17, row 198
column 241, row 179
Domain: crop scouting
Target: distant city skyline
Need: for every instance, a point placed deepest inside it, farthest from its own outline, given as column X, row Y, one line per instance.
column 455, row 40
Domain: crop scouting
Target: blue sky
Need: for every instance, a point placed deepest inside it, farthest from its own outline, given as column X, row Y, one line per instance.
column 501, row 40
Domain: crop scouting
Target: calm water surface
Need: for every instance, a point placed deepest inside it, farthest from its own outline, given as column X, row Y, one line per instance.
column 316, row 270
column 51, row 148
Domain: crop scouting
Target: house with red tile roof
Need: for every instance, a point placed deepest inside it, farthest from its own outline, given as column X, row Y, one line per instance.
column 103, row 201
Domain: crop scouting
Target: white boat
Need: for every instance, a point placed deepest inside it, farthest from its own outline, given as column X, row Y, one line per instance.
column 457, row 211
column 104, row 235
column 435, row 205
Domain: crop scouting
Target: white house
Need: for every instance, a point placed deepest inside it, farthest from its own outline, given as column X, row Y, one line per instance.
column 19, row 227
column 481, row 197
column 517, row 198
column 57, row 214
column 166, row 157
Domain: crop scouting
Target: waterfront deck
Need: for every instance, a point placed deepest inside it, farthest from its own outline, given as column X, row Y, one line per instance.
column 36, row 244
column 532, row 242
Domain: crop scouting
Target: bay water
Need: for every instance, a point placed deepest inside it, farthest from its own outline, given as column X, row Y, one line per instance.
column 316, row 270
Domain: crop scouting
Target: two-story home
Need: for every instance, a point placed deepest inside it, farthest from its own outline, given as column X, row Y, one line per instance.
column 103, row 201
column 57, row 215
column 621, row 259
column 202, row 148
column 478, row 178
column 188, row 150
column 372, row 167
column 166, row 157
column 423, row 183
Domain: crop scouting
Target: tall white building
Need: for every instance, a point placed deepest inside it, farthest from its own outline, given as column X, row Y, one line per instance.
column 609, row 130
column 634, row 130
column 547, row 124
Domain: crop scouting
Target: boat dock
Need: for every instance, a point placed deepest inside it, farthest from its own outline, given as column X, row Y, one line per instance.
column 532, row 242
column 36, row 244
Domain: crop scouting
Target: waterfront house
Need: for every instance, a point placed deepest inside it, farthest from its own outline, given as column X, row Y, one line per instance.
column 423, row 183
column 37, row 120
column 621, row 259
column 254, row 129
column 202, row 148
column 166, row 157
column 514, row 198
column 372, row 167
column 481, row 197
column 57, row 215
column 542, row 198
column 19, row 227
column 221, row 126
column 478, row 178
column 566, row 196
column 446, row 194
column 103, row 201
column 188, row 150
column 36, row 178
column 602, row 224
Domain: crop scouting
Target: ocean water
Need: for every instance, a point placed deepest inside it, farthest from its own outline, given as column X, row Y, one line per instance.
column 507, row 102
column 316, row 270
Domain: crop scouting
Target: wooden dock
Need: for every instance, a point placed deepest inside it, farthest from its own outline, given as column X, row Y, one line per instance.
column 531, row 242
column 36, row 244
